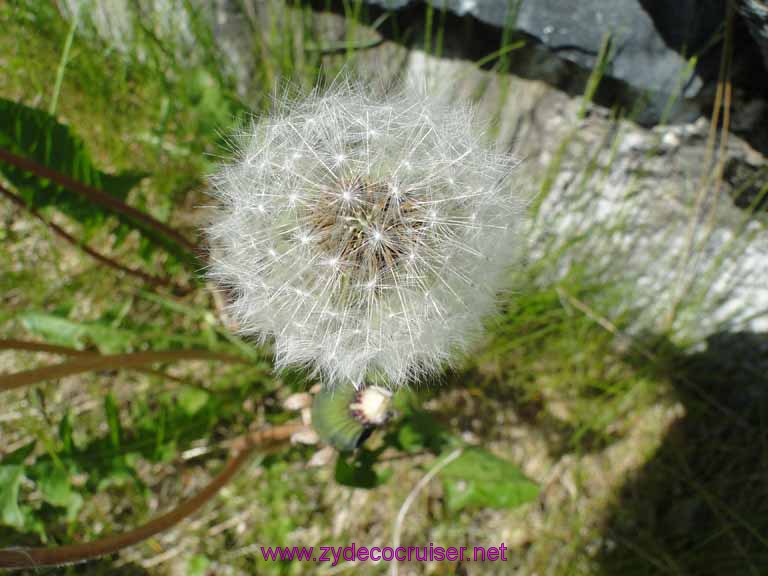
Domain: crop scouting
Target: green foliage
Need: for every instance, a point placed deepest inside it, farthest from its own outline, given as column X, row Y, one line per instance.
column 35, row 135
column 198, row 565
column 10, row 481
column 477, row 478
column 192, row 400
column 56, row 488
column 419, row 430
column 107, row 338
column 357, row 470
column 148, row 429
column 59, row 330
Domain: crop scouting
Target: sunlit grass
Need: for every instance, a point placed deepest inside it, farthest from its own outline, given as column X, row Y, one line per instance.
column 563, row 375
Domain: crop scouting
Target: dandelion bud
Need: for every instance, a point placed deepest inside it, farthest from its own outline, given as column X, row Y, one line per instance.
column 367, row 235
column 345, row 418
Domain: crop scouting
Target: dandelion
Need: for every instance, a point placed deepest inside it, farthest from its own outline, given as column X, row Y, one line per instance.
column 368, row 235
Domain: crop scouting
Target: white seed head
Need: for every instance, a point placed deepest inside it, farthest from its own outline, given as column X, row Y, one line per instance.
column 369, row 235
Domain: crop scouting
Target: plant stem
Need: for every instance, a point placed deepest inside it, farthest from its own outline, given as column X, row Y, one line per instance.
column 99, row 257
column 26, row 346
column 63, row 64
column 94, row 362
column 41, row 557
column 99, row 197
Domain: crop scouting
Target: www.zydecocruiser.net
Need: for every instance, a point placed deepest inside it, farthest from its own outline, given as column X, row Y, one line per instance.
column 375, row 554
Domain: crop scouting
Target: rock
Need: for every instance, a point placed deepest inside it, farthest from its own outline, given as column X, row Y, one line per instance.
column 636, row 206
column 748, row 183
column 755, row 13
column 647, row 58
column 178, row 26
column 650, row 42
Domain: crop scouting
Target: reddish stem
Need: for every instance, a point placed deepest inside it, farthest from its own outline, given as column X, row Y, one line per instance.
column 98, row 197
column 103, row 259
column 42, row 557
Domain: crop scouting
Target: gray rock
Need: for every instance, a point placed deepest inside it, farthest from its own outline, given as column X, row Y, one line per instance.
column 647, row 58
column 755, row 12
column 650, row 42
column 642, row 209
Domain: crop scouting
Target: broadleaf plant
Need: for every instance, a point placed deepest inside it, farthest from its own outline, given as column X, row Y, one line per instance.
column 35, row 135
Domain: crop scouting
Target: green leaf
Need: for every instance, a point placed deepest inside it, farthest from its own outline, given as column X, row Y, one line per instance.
column 60, row 330
column 54, row 329
column 357, row 471
column 192, row 400
column 101, row 334
column 198, row 565
column 409, row 438
column 65, row 434
column 18, row 456
column 479, row 478
column 421, row 431
column 56, row 489
column 10, row 481
column 35, row 135
column 113, row 420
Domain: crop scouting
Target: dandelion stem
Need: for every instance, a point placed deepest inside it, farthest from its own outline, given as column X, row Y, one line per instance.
column 93, row 363
column 99, row 197
column 150, row 279
column 42, row 557
column 26, row 346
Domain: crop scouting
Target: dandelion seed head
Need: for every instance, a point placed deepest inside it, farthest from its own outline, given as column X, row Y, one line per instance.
column 383, row 231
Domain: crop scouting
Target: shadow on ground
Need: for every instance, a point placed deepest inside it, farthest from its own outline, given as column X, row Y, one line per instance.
column 699, row 507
